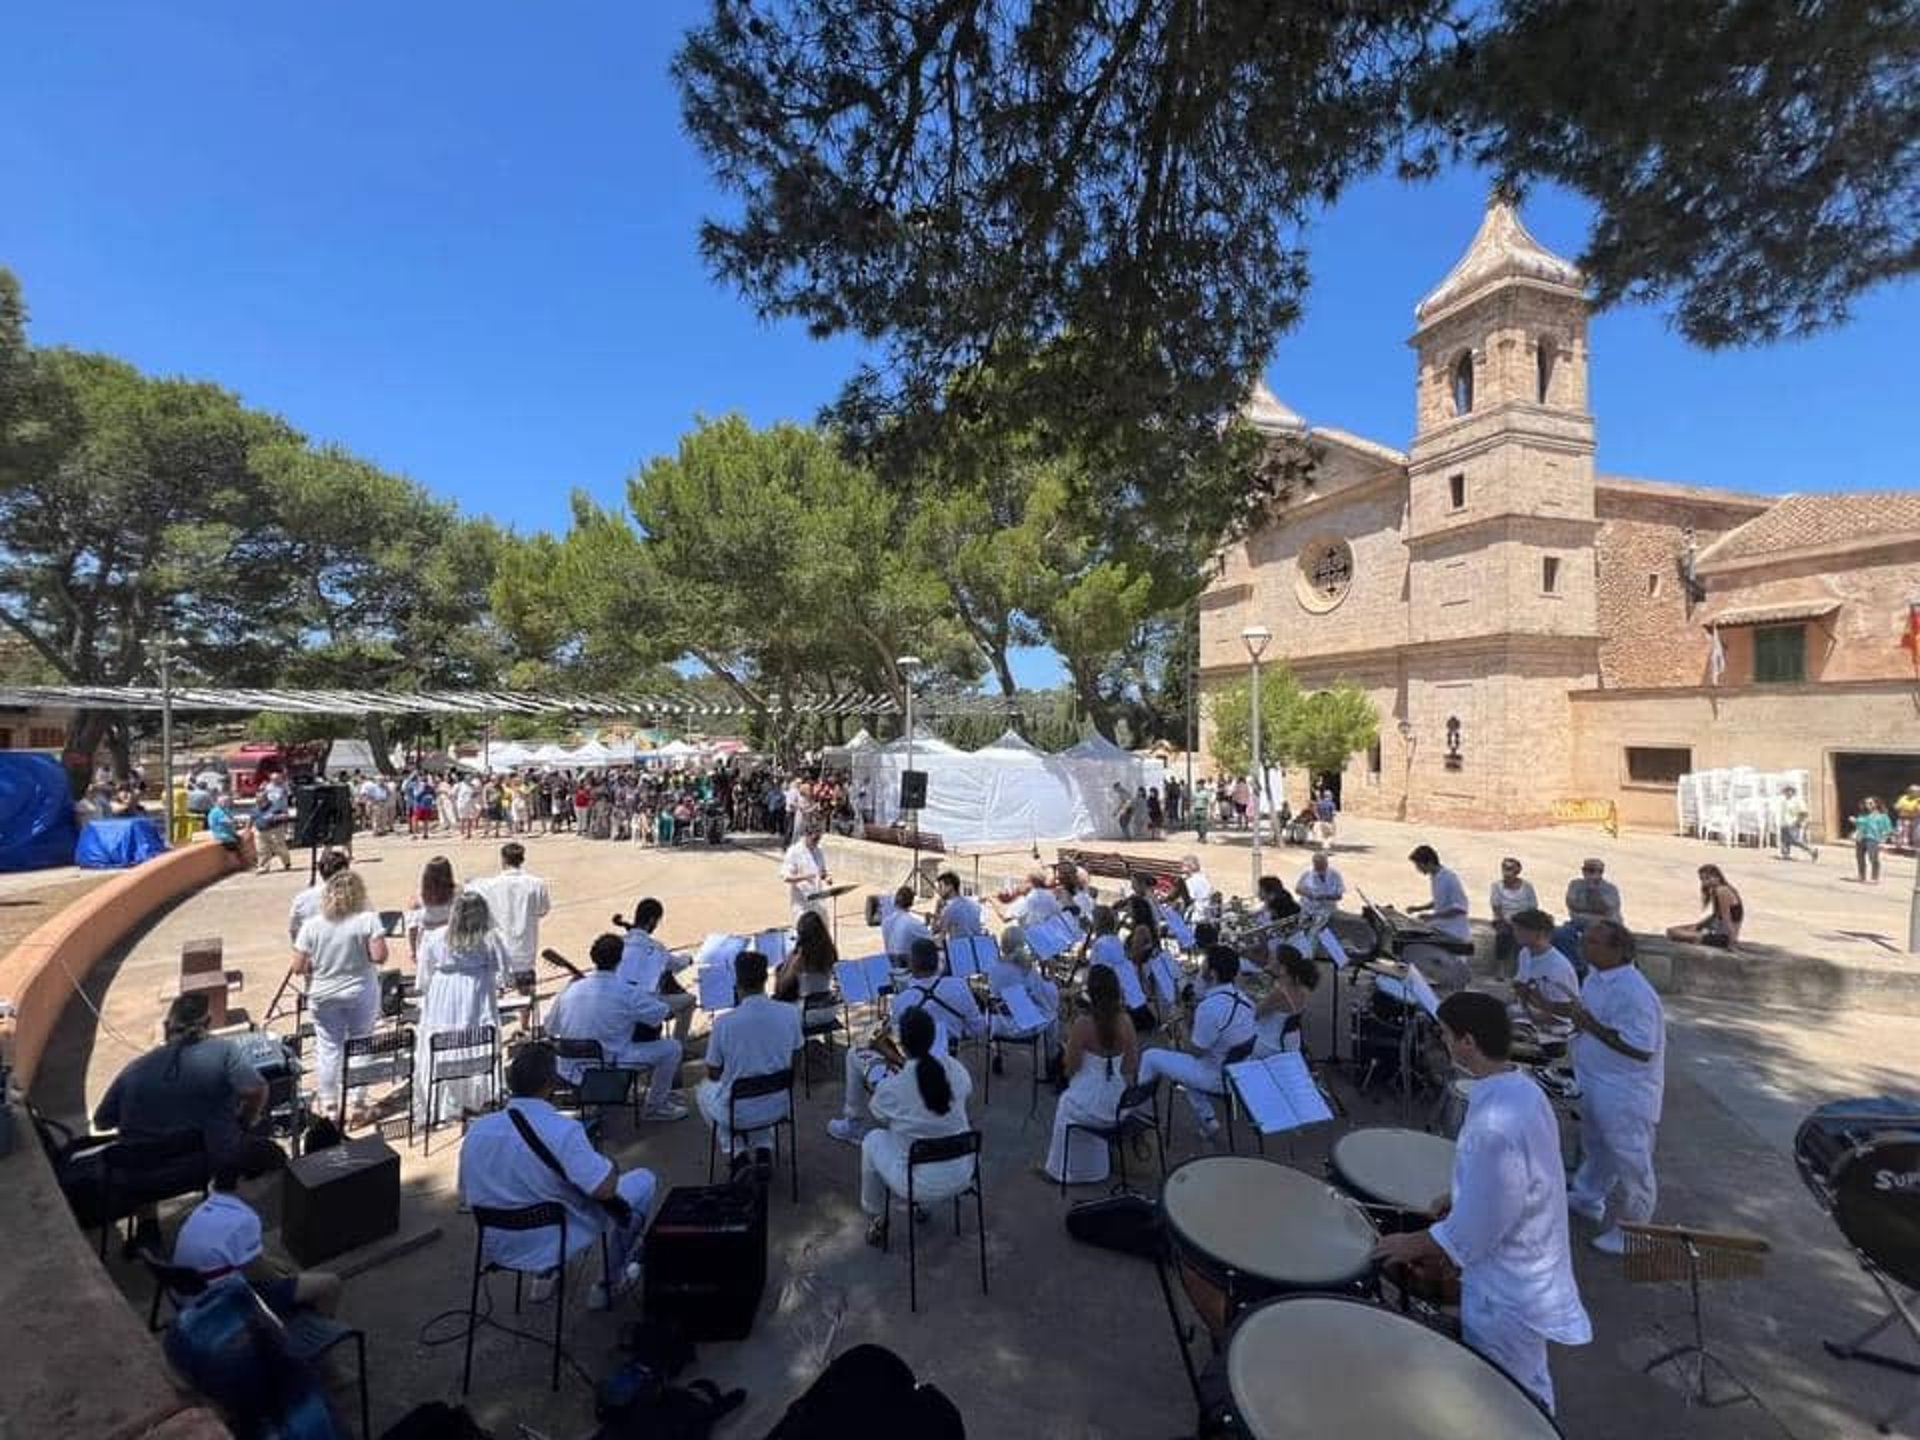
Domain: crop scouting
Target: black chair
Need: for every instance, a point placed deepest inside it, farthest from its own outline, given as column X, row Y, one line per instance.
column 821, row 1017
column 307, row 1334
column 1225, row 1094
column 385, row 1057
column 601, row 1085
column 1034, row 1041
column 935, row 1152
column 460, row 1055
column 137, row 1173
column 1136, row 1113
column 547, row 1215
column 752, row 1087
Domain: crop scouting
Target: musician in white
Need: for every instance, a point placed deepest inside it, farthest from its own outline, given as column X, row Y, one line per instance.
column 645, row 963
column 517, row 901
column 1505, row 1222
column 1015, row 970
column 601, row 1006
column 1295, row 977
column 804, row 869
column 1036, row 906
column 926, row 1099
column 1445, row 912
column 902, row 927
column 1108, row 949
column 759, row 1036
column 1620, row 1059
column 956, row 1015
column 1199, row 888
column 1223, row 1021
column 955, row 914
column 1544, row 974
column 1320, row 889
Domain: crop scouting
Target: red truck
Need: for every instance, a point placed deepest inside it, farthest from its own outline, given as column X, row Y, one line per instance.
column 249, row 766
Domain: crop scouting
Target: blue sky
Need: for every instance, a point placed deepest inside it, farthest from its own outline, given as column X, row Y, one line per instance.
column 460, row 240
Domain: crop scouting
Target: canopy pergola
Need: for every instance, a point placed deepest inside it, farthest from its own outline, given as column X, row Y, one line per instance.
column 423, row 702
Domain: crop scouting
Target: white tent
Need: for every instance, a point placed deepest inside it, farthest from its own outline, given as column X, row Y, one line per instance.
column 504, row 755
column 1003, row 792
column 674, row 750
column 1096, row 747
column 861, row 740
column 593, row 753
column 346, row 755
column 1011, row 739
column 551, row 754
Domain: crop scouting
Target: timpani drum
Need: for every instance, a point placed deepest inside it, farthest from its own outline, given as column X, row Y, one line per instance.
column 1398, row 1172
column 1242, row 1230
column 1287, row 1357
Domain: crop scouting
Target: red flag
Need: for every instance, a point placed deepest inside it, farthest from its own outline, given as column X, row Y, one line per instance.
column 1910, row 637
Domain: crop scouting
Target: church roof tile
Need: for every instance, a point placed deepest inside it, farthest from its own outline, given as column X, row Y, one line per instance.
column 1811, row 522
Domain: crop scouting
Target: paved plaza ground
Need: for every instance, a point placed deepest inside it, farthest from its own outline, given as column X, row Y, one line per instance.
column 1074, row 1342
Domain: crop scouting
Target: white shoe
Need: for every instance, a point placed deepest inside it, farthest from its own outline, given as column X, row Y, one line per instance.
column 599, row 1298
column 847, row 1132
column 1610, row 1242
column 669, row 1109
column 542, row 1288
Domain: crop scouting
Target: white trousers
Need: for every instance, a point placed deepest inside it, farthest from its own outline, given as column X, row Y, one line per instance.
column 860, row 1064
column 1616, row 1151
column 883, row 1169
column 1189, row 1071
column 663, row 1056
column 1515, row 1347
column 711, row 1097
column 680, row 1007
column 344, row 1017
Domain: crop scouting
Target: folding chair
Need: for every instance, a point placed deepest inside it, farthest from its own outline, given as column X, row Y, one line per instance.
column 1136, row 1113
column 601, row 1084
column 1224, row 1095
column 451, row 1055
column 821, row 1017
column 753, row 1087
column 384, row 1057
column 307, row 1334
column 935, row 1152
column 1034, row 1041
column 547, row 1215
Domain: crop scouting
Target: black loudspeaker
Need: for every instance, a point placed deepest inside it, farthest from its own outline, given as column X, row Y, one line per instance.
column 334, row 1200
column 322, row 815
column 913, row 790
column 706, row 1260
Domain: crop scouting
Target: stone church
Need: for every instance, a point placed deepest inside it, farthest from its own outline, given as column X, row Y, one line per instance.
column 1533, row 630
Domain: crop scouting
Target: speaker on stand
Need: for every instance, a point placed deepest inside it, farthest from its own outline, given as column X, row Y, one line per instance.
column 913, row 799
column 322, row 818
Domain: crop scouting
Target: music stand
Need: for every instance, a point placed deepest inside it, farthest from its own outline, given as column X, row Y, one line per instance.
column 1658, row 1253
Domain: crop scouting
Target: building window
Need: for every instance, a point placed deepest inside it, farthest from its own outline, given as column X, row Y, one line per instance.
column 1326, row 573
column 1657, row 764
column 1653, row 584
column 1373, row 758
column 1543, row 358
column 1550, row 574
column 45, row 737
column 1780, row 654
column 1463, row 385
column 1457, row 491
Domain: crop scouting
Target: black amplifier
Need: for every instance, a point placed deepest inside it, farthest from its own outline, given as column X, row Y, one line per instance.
column 706, row 1260
column 334, row 1200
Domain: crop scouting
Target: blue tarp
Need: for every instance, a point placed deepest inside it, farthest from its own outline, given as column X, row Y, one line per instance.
column 36, row 813
column 119, row 841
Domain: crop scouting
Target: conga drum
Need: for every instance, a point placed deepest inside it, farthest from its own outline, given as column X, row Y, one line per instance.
column 1287, row 1359
column 1242, row 1230
column 1399, row 1173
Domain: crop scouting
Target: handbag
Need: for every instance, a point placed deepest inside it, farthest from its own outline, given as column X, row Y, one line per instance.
column 617, row 1208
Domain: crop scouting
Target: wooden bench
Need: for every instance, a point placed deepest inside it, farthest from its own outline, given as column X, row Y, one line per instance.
column 904, row 836
column 1114, row 864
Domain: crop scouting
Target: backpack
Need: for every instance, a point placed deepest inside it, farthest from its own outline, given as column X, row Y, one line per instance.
column 869, row 1393
column 633, row 1404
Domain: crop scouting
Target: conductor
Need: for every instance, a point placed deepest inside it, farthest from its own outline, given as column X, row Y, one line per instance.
column 804, row 869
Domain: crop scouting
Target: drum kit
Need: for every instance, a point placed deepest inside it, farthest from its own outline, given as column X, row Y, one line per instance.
column 1861, row 1160
column 1277, row 1266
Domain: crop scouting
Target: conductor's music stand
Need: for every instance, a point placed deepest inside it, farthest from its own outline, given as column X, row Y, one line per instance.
column 1659, row 1253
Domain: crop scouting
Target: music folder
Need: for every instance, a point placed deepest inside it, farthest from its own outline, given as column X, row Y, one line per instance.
column 1278, row 1093
column 970, row 955
column 863, row 981
column 1052, row 936
column 1021, row 1009
column 714, row 984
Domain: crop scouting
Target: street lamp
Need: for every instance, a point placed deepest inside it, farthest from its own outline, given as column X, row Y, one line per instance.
column 1256, row 638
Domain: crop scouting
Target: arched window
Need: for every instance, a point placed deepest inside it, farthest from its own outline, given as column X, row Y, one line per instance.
column 1544, row 357
column 1463, row 384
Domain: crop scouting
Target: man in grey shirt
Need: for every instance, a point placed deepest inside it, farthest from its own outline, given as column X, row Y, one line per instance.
column 1590, row 896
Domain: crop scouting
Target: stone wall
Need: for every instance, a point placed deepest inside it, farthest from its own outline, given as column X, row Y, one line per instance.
column 1859, row 641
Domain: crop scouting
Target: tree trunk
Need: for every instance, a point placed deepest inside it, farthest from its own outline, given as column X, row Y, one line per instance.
column 1086, row 686
column 374, row 728
column 89, row 729
column 1002, row 671
column 117, row 747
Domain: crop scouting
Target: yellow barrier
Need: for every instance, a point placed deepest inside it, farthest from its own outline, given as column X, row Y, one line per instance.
column 1605, row 812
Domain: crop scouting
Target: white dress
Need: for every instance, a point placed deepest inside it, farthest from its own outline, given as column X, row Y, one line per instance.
column 458, row 992
column 1089, row 1099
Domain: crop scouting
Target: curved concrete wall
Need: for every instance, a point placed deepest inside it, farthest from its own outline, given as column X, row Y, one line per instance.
column 79, row 1359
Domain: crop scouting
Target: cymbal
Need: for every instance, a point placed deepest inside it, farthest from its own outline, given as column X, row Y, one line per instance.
column 830, row 894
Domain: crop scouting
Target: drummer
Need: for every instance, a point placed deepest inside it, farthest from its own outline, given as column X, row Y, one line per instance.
column 1505, row 1223
column 1544, row 974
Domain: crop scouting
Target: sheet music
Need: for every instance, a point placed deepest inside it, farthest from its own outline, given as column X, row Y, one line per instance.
column 1160, row 968
column 1421, row 991
column 970, row 955
column 1325, row 939
column 718, row 949
column 773, row 945
column 1052, row 936
column 862, row 980
column 1025, row 1014
column 1278, row 1093
column 714, row 984
column 1177, row 927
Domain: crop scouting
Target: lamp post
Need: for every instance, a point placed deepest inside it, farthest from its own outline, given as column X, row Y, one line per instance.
column 1256, row 638
column 166, row 727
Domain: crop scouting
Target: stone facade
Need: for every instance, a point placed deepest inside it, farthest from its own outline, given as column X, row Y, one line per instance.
column 1521, row 622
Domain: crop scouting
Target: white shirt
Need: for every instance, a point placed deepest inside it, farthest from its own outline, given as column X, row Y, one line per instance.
column 1220, row 1022
column 1507, row 1230
column 1449, row 894
column 900, row 929
column 220, row 1236
column 517, row 900
column 960, row 916
column 1319, row 893
column 1199, row 887
column 757, row 1037
column 897, row 1104
column 464, row 796
column 804, row 868
column 1505, row 903
column 337, row 952
column 951, row 1004
column 643, row 960
column 305, row 906
column 1622, row 999
column 601, row 1006
column 1037, row 905
column 1109, row 951
column 500, row 1171
column 1553, row 975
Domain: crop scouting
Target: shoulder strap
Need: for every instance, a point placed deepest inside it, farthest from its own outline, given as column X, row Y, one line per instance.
column 538, row 1146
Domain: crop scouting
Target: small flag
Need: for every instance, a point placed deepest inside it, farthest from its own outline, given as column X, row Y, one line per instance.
column 1910, row 637
column 1716, row 657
